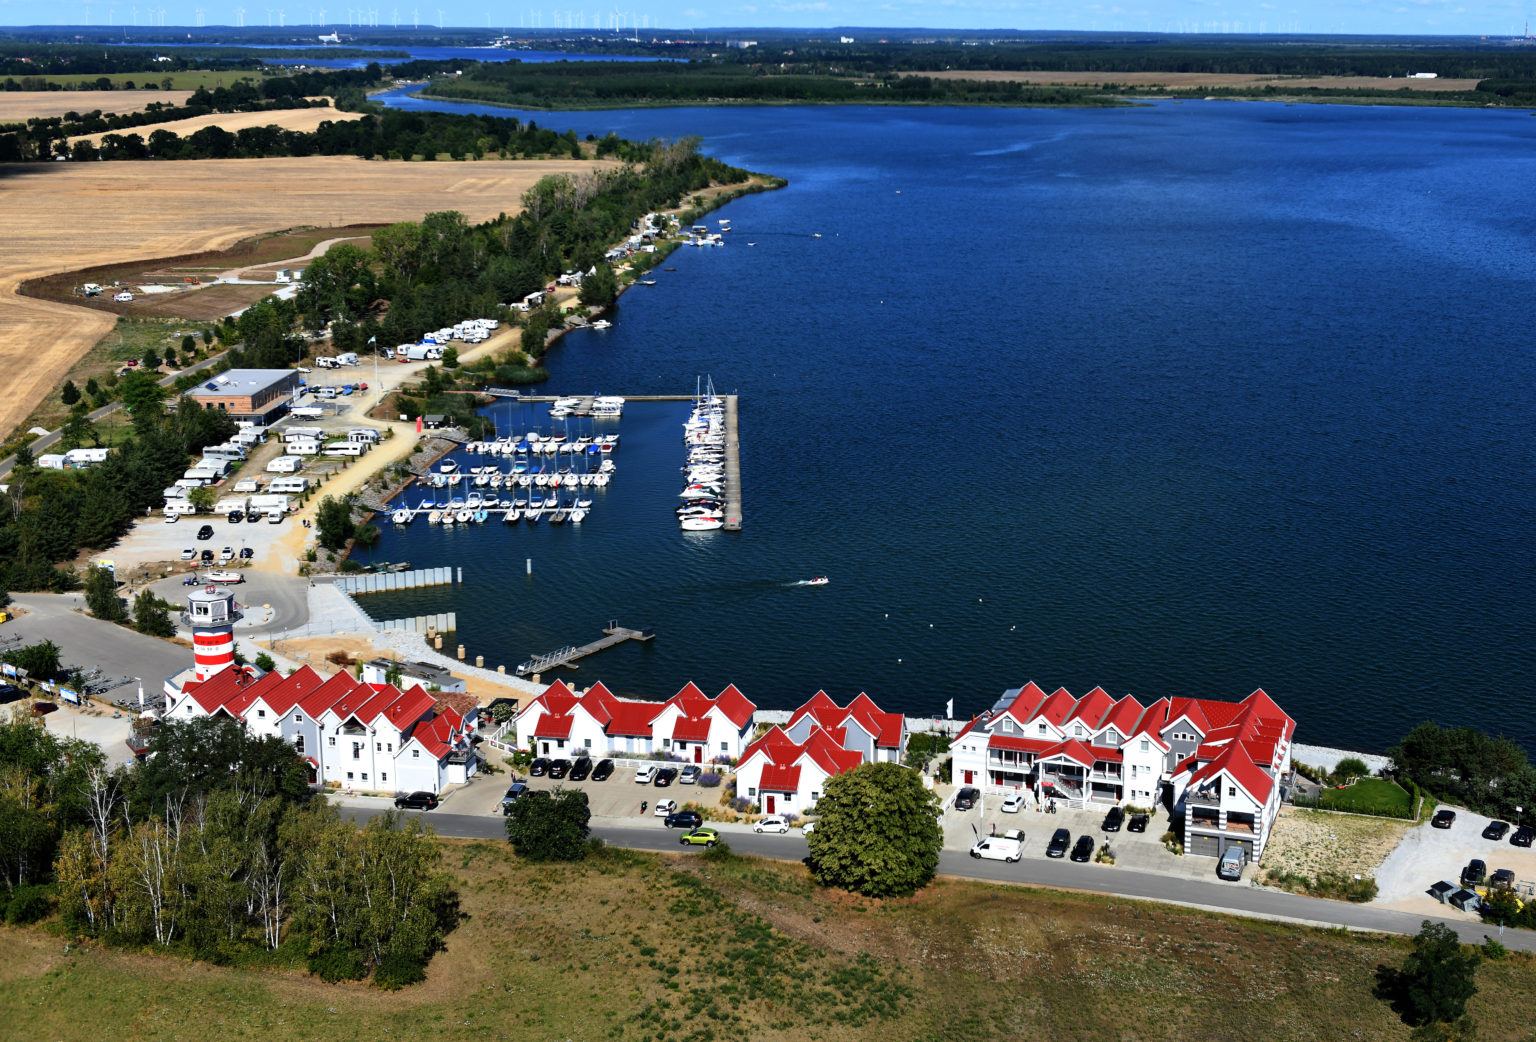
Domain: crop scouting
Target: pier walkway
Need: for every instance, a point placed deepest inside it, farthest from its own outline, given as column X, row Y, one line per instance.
column 732, row 468
column 565, row 658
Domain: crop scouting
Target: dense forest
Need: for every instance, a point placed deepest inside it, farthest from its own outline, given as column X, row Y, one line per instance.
column 611, row 84
column 31, row 59
column 212, row 847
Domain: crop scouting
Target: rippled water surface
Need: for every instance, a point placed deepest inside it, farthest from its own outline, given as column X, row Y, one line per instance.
column 1187, row 399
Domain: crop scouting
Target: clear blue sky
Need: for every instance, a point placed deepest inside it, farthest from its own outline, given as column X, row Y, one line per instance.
column 1435, row 17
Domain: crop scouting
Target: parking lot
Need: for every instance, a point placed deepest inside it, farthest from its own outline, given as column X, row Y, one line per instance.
column 1427, row 855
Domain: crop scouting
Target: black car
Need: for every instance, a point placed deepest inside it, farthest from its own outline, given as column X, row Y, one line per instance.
column 966, row 798
column 685, row 819
column 234, row 517
column 1061, row 839
column 206, row 532
column 1502, row 879
column 514, row 791
column 559, row 768
column 538, row 768
column 603, row 771
column 664, row 777
column 1138, row 823
column 207, row 556
column 581, row 768
column 416, row 801
column 11, row 693
column 1443, row 819
column 1474, row 873
column 1522, row 836
column 1114, row 819
column 1082, row 850
column 246, row 553
column 1496, row 830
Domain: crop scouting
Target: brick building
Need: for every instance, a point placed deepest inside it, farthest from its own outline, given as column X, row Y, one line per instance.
column 258, row 395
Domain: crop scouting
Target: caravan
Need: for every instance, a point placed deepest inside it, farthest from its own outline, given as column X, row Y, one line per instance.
column 285, row 465
column 286, row 486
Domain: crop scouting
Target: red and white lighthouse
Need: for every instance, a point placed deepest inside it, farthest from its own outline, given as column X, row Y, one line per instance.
column 212, row 613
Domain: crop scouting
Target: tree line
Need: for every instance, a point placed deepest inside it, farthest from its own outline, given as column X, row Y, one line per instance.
column 212, row 847
column 1490, row 774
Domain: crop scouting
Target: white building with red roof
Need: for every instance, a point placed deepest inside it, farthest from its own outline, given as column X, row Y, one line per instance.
column 1218, row 766
column 788, row 777
column 860, row 726
column 563, row 723
column 363, row 737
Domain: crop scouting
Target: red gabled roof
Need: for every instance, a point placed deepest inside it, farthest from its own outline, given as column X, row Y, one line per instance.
column 1092, row 708
column 556, row 698
column 1188, row 709
column 775, row 745
column 1075, row 750
column 552, row 726
column 777, row 778
column 436, row 736
column 631, row 718
column 828, row 754
column 690, row 729
column 326, row 695
column 1017, row 744
column 597, row 702
column 412, row 705
column 383, row 695
column 1056, row 708
column 1123, row 716
column 293, row 690
column 738, row 709
column 1026, row 701
column 1243, row 772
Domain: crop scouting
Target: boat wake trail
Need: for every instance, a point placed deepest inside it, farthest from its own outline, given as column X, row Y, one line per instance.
column 822, row 581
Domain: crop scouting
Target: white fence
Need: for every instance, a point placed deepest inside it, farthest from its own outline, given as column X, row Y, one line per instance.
column 383, row 582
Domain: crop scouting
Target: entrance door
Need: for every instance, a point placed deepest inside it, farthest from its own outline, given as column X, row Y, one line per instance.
column 546, row 748
column 771, row 800
column 698, row 754
column 968, row 776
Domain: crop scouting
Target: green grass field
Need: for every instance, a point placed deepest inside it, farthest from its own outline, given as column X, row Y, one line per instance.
column 1370, row 796
column 640, row 946
column 190, row 80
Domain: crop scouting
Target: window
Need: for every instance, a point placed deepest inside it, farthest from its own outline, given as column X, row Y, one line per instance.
column 1146, row 744
column 1042, row 728
column 261, row 714
column 724, row 747
column 298, row 718
column 357, row 750
column 1008, row 724
column 349, row 776
column 384, row 777
column 389, row 747
column 378, row 746
column 415, row 754
column 365, row 776
column 298, row 744
column 751, row 791
column 666, row 743
column 815, row 796
column 332, row 742
column 1231, row 790
column 586, row 743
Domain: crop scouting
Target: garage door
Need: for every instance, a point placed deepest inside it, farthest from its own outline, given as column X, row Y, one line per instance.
column 1205, row 846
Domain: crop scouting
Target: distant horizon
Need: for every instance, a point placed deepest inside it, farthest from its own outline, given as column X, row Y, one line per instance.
column 1431, row 18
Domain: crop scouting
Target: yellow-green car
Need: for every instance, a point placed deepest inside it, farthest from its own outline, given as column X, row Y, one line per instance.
column 705, row 837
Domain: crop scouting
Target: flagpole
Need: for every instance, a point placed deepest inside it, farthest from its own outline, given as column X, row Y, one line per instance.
column 378, row 391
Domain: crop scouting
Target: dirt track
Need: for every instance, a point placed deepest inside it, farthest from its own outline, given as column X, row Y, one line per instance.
column 67, row 216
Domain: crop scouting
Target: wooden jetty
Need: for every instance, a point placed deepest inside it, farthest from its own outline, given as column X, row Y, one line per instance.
column 565, row 658
column 732, row 468
column 627, row 398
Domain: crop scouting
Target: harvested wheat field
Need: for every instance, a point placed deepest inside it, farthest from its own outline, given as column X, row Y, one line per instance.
column 67, row 216
column 16, row 106
column 305, row 120
column 1196, row 80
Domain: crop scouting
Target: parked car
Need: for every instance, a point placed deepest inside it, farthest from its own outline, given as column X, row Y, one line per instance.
column 1502, row 879
column 1522, row 836
column 559, row 768
column 700, row 838
column 1231, row 864
column 966, row 798
column 416, row 801
column 1007, row 847
column 538, row 768
column 774, row 824
column 688, row 775
column 514, row 792
column 1496, row 830
column 663, row 808
column 684, row 819
column 206, row 532
column 1013, row 802
column 1082, row 850
column 44, row 708
column 666, row 776
column 234, row 517
column 172, row 517
column 227, row 554
column 10, row 693
column 1114, row 819
column 207, row 557
column 645, row 775
column 246, row 553
column 603, row 771
column 1138, row 822
column 1474, row 873
column 807, row 828
column 1443, row 819
column 580, row 768
column 189, row 554
column 1061, row 839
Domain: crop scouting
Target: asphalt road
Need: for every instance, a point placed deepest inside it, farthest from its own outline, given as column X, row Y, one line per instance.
column 87, row 642
column 1232, row 898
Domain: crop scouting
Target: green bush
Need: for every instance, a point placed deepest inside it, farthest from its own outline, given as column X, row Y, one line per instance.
column 1351, row 767
column 398, row 970
column 28, row 904
column 336, row 964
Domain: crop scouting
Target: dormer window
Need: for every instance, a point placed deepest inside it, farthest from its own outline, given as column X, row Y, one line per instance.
column 1008, row 724
column 1042, row 729
column 1078, row 730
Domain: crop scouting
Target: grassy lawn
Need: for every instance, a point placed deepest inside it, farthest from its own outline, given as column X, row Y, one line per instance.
column 1370, row 796
column 640, row 946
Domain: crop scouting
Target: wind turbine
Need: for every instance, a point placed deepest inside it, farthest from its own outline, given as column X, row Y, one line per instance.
column 200, row 19
column 322, row 18
column 282, row 17
column 439, row 17
column 269, row 18
column 241, row 10
column 415, row 19
column 394, row 17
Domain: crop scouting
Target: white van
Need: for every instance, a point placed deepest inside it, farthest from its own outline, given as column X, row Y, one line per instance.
column 326, row 393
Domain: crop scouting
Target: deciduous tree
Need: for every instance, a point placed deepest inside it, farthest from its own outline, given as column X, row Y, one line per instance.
column 876, row 832
column 550, row 826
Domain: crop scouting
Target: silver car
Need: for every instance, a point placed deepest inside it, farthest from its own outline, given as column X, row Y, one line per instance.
column 1231, row 864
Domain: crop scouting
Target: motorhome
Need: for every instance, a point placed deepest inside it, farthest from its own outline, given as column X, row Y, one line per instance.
column 284, row 275
column 285, row 486
column 285, row 465
column 326, row 362
column 200, row 476
column 306, row 412
column 227, row 451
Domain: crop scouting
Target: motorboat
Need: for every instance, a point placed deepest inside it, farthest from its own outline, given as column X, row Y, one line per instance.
column 434, row 518
column 701, row 524
column 401, row 517
column 820, row 580
column 602, row 323
column 448, row 466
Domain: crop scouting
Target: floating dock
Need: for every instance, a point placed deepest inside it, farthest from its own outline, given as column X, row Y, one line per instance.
column 565, row 658
column 732, row 468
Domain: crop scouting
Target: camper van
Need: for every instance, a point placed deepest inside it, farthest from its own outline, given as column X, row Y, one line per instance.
column 270, row 502
column 285, row 465
column 226, row 451
column 326, row 362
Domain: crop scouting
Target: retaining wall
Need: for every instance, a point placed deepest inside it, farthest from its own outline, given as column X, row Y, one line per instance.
column 383, row 582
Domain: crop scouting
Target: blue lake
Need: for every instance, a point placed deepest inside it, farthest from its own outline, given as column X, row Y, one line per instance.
column 1185, row 399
